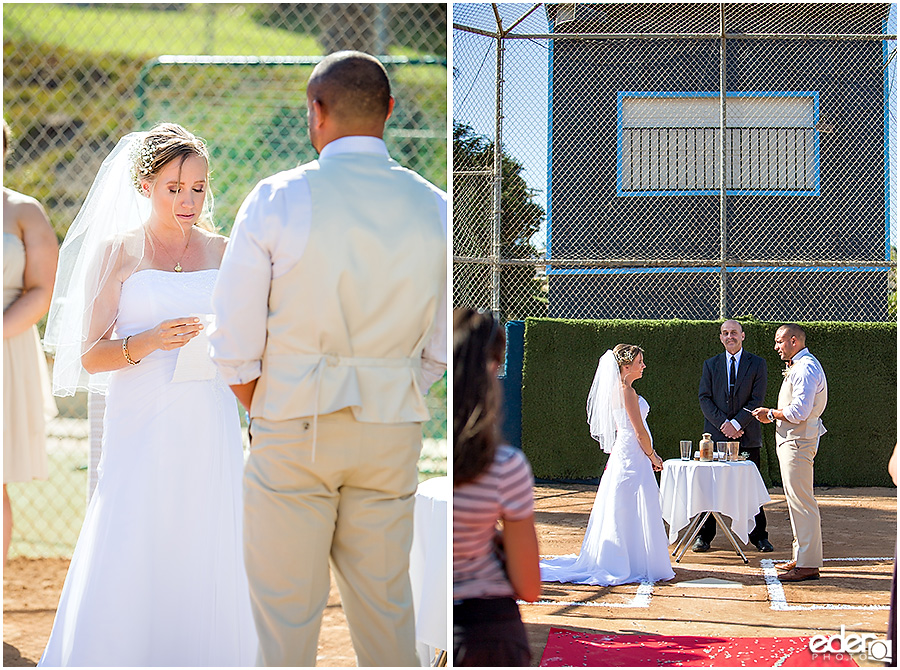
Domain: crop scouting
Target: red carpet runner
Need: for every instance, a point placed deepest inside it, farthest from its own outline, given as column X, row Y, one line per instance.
column 569, row 649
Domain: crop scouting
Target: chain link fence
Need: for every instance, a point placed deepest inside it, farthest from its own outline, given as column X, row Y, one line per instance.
column 77, row 77
column 661, row 161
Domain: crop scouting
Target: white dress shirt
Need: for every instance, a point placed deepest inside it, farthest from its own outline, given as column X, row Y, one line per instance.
column 269, row 237
column 737, row 366
column 807, row 379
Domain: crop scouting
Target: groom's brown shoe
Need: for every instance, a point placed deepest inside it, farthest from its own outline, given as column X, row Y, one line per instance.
column 799, row 575
column 789, row 565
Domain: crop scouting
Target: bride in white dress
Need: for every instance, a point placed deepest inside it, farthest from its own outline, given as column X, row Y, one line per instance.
column 157, row 577
column 625, row 540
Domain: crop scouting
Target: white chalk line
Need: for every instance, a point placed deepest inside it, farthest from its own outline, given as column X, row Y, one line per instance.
column 640, row 600
column 777, row 599
column 779, row 603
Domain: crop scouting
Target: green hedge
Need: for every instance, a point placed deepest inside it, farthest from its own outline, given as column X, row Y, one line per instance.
column 860, row 361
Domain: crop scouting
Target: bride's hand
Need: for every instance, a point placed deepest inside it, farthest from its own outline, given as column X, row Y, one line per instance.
column 175, row 333
column 657, row 462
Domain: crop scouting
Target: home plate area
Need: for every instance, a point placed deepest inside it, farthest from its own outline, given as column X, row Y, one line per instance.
column 743, row 618
column 856, row 568
column 717, row 611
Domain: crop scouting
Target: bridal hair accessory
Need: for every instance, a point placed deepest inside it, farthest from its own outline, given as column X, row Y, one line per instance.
column 626, row 353
column 142, row 161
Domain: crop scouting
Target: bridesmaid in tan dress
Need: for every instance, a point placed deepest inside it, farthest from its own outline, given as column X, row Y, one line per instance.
column 30, row 251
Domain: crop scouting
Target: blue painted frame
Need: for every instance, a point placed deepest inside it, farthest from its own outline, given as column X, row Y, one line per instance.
column 887, row 146
column 709, row 94
column 704, row 270
column 549, row 144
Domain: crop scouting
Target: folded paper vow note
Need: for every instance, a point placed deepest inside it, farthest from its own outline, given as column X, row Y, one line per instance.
column 194, row 363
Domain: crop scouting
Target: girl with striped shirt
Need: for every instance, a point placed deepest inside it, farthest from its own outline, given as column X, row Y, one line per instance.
column 491, row 482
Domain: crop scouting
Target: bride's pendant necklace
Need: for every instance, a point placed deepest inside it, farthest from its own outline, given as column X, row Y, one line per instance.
column 187, row 244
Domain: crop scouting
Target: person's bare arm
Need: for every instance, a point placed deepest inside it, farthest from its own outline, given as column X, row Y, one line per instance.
column 761, row 414
column 634, row 415
column 892, row 466
column 41, row 255
column 108, row 354
column 244, row 392
column 522, row 558
column 104, row 354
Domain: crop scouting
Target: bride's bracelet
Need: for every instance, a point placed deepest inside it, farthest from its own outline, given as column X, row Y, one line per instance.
column 125, row 351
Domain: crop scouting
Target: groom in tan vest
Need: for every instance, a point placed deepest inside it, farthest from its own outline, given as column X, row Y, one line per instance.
column 798, row 427
column 330, row 327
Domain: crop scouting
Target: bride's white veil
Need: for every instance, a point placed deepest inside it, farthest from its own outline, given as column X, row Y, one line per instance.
column 605, row 398
column 106, row 238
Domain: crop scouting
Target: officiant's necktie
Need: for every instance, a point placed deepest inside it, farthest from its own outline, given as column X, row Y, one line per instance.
column 731, row 377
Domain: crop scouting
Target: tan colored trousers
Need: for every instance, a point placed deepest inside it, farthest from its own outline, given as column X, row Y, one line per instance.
column 352, row 505
column 795, row 458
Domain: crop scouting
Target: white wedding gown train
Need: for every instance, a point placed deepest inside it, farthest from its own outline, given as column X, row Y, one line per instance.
column 625, row 540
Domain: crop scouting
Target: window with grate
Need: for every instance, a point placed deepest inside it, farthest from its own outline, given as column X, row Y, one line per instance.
column 668, row 143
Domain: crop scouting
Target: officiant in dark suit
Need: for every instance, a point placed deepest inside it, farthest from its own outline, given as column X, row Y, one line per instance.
column 733, row 384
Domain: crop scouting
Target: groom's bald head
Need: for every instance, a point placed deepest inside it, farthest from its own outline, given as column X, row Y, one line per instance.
column 348, row 94
column 794, row 330
column 351, row 85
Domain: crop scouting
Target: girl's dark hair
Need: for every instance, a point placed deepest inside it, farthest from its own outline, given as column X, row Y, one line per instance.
column 478, row 341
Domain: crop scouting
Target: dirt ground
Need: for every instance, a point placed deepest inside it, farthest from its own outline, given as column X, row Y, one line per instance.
column 31, row 591
column 856, row 523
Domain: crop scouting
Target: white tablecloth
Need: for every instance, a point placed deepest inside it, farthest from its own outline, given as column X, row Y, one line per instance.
column 687, row 488
column 428, row 563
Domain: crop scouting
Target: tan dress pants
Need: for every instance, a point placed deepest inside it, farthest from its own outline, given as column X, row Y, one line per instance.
column 352, row 505
column 795, row 458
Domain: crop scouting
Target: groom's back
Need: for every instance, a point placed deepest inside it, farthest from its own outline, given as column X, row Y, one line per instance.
column 364, row 295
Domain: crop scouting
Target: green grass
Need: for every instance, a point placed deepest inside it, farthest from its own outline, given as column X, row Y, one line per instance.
column 80, row 67
column 140, row 33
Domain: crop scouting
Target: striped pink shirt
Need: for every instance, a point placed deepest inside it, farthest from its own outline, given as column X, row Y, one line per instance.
column 503, row 491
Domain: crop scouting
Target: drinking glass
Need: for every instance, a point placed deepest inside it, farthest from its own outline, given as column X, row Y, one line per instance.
column 733, row 449
column 721, row 448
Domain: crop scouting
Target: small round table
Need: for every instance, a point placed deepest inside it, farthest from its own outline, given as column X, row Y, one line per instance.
column 691, row 491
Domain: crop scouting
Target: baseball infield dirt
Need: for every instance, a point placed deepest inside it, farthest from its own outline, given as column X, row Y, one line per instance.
column 31, row 591
column 859, row 527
